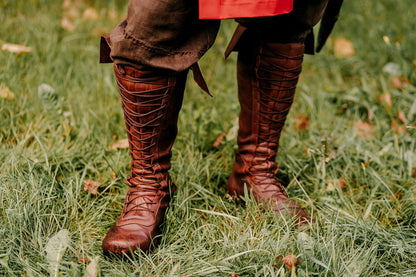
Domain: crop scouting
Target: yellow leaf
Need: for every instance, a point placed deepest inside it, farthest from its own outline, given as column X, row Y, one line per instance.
column 6, row 93
column 90, row 14
column 91, row 186
column 399, row 82
column 121, row 144
column 67, row 24
column 363, row 129
column 16, row 48
column 343, row 47
column 397, row 128
column 402, row 117
column 386, row 99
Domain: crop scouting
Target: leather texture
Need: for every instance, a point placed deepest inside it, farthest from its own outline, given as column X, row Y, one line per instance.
column 151, row 101
column 267, row 77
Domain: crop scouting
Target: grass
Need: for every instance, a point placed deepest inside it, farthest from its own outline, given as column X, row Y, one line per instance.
column 50, row 141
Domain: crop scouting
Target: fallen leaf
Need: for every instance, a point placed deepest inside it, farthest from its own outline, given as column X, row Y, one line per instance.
column 55, row 249
column 67, row 24
column 386, row 99
column 234, row 275
column 393, row 69
column 16, row 48
column 402, row 117
column 72, row 14
column 92, row 268
column 341, row 183
column 121, row 144
column 83, row 260
column 302, row 123
column 330, row 186
column 90, row 14
column 113, row 175
column 6, row 93
column 291, row 261
column 91, row 186
column 397, row 128
column 66, row 4
column 399, row 82
column 363, row 129
column 219, row 139
column 343, row 47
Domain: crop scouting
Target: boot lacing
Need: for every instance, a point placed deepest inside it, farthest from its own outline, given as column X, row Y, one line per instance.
column 143, row 112
column 275, row 87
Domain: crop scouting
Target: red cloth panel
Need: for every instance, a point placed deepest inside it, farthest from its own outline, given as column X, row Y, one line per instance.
column 222, row 9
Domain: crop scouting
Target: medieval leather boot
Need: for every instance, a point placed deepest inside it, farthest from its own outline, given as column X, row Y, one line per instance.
column 151, row 101
column 267, row 75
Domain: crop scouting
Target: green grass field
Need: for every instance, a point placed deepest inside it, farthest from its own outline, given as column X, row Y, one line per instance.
column 347, row 155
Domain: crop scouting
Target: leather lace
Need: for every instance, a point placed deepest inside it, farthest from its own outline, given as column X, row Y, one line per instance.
column 276, row 87
column 143, row 113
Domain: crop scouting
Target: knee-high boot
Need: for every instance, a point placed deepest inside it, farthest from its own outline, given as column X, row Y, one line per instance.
column 151, row 101
column 267, row 75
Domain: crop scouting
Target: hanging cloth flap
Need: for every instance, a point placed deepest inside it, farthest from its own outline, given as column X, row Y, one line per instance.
column 223, row 9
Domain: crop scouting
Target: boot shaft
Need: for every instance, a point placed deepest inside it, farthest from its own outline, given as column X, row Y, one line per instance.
column 151, row 102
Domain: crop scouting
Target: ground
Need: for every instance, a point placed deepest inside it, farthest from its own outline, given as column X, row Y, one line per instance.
column 347, row 155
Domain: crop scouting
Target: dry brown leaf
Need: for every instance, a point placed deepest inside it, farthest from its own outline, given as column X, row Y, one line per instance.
column 386, row 99
column 291, row 261
column 363, row 129
column 234, row 275
column 303, row 123
column 341, row 183
column 6, row 93
column 399, row 82
column 91, row 186
column 82, row 260
column 72, row 13
column 113, row 175
column 16, row 48
column 90, row 14
column 121, row 144
column 343, row 47
column 219, row 139
column 397, row 128
column 402, row 117
column 67, row 24
column 66, row 4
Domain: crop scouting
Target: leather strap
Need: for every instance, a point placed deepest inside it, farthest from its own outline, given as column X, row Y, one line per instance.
column 235, row 39
column 105, row 49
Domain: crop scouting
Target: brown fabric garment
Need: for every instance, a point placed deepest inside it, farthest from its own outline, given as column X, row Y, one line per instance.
column 168, row 34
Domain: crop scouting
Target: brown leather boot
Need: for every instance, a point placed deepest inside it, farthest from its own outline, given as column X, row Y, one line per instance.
column 151, row 102
column 267, row 75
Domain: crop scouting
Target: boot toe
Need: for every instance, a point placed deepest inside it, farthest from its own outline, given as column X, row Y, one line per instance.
column 120, row 241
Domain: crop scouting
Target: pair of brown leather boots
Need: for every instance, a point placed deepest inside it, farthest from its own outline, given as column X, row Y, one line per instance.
column 267, row 75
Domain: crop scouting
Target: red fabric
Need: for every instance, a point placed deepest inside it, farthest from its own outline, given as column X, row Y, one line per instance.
column 222, row 9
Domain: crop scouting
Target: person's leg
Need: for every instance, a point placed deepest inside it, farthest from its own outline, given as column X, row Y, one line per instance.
column 269, row 63
column 152, row 50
